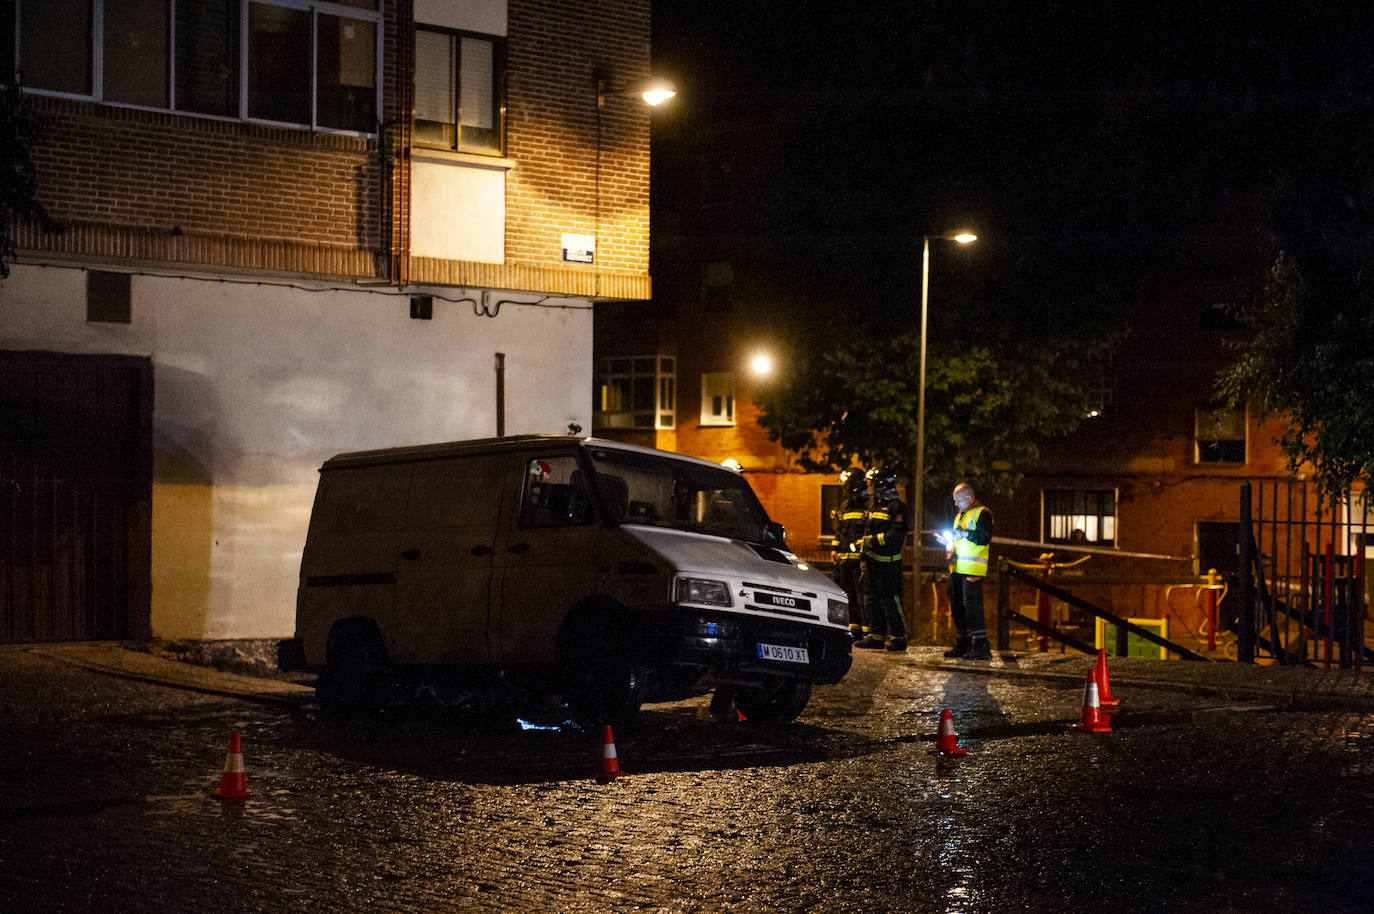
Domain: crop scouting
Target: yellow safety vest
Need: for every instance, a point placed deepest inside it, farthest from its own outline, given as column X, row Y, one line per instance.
column 969, row 558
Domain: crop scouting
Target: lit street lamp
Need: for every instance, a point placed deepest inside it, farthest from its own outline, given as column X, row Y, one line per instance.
column 918, row 480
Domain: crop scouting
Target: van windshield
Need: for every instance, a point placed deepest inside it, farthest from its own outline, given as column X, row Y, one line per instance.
column 662, row 492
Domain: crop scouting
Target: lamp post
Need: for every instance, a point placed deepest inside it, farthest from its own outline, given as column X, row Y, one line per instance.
column 654, row 91
column 918, row 480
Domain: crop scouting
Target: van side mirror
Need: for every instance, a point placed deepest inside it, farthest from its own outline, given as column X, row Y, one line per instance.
column 774, row 535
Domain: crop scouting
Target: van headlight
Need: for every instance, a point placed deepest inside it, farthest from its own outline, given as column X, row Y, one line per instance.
column 837, row 611
column 701, row 590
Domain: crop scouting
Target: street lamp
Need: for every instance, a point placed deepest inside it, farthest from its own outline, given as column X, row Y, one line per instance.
column 653, row 90
column 919, row 478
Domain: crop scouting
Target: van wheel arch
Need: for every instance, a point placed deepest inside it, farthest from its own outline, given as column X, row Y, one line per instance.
column 354, row 675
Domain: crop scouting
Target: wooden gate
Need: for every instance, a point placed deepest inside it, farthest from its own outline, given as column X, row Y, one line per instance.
column 75, row 497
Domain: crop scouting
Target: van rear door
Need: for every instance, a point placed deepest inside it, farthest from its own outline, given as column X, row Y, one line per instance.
column 444, row 569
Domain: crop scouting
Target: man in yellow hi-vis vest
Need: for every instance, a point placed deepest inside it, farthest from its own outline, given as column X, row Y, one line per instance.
column 967, row 547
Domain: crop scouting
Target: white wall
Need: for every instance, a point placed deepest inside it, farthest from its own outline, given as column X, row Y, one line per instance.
column 457, row 210
column 486, row 16
column 256, row 384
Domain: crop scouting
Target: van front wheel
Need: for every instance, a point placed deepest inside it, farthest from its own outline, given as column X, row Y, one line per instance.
column 775, row 702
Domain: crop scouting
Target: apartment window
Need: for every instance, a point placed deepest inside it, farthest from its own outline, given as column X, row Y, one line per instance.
column 55, row 45
column 311, row 64
column 637, row 392
column 718, row 399
column 459, row 92
column 1220, row 434
column 207, row 57
column 831, row 498
column 1086, row 516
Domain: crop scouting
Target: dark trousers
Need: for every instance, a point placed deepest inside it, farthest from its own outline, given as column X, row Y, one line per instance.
column 848, row 573
column 966, row 607
column 883, row 599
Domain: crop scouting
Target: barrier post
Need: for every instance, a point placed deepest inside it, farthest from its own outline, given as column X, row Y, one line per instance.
column 1003, row 607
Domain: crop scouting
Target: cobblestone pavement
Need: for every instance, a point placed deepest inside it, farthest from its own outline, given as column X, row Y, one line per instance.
column 1221, row 788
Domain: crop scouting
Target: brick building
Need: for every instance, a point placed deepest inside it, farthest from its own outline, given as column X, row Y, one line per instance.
column 288, row 230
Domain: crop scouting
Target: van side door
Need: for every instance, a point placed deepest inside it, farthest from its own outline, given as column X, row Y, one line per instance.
column 547, row 558
column 444, row 569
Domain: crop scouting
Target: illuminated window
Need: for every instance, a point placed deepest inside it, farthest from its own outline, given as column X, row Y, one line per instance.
column 459, row 101
column 718, row 398
column 636, row 392
column 1086, row 516
column 1220, row 435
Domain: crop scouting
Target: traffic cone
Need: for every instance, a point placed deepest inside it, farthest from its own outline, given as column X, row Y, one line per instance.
column 607, row 765
column 233, row 783
column 1104, row 689
column 740, row 714
column 1092, row 719
column 946, row 743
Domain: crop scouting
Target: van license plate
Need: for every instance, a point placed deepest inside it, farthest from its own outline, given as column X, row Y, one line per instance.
column 784, row 653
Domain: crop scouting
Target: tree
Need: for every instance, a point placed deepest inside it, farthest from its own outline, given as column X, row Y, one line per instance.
column 987, row 405
column 1309, row 359
column 18, row 181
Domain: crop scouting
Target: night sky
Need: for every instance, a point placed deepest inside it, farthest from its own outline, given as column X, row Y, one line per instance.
column 1088, row 143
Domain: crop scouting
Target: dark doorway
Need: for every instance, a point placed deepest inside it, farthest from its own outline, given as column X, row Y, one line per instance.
column 75, row 496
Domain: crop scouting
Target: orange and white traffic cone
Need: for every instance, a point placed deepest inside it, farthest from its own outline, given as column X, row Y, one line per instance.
column 946, row 743
column 1092, row 720
column 607, row 764
column 1104, row 689
column 233, row 783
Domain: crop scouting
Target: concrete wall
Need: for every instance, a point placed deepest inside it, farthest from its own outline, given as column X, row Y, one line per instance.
column 256, row 383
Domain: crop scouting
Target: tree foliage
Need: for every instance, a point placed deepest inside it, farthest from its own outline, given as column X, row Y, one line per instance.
column 987, row 405
column 18, row 182
column 1309, row 360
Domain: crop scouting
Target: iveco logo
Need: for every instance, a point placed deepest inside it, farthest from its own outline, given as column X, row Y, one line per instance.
column 784, row 601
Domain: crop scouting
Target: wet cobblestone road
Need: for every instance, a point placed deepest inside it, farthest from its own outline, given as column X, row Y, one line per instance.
column 1191, row 804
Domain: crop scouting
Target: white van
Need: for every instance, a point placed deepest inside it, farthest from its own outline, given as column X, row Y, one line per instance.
column 606, row 573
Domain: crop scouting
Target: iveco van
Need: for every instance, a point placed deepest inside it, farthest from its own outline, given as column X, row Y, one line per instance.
column 611, row 574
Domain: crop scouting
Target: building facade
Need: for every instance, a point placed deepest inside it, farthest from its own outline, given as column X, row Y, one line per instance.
column 290, row 229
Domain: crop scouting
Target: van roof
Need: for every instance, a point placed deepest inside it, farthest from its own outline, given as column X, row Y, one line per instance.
column 506, row 444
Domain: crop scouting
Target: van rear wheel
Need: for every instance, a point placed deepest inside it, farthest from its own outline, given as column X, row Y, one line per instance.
column 774, row 702
column 354, row 673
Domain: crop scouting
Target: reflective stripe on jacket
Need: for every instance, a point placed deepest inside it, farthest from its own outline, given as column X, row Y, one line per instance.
column 886, row 532
column 969, row 558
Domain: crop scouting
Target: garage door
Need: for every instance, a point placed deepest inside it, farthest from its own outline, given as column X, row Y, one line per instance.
column 75, row 496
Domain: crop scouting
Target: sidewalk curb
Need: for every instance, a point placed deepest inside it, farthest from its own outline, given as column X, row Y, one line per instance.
column 1283, row 695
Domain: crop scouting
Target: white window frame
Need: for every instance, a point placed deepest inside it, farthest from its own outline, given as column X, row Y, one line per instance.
column 664, row 391
column 315, row 7
column 718, row 398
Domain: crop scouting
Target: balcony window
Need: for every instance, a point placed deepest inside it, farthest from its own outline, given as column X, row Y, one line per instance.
column 307, row 64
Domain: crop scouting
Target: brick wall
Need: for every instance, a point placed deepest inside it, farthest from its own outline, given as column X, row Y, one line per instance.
column 138, row 184
column 556, row 51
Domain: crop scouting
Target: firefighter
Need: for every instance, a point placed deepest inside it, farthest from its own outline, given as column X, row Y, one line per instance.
column 967, row 547
column 882, row 559
column 850, row 520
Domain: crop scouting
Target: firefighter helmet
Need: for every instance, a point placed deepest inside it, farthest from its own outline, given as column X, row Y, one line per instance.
column 853, row 481
column 883, row 483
